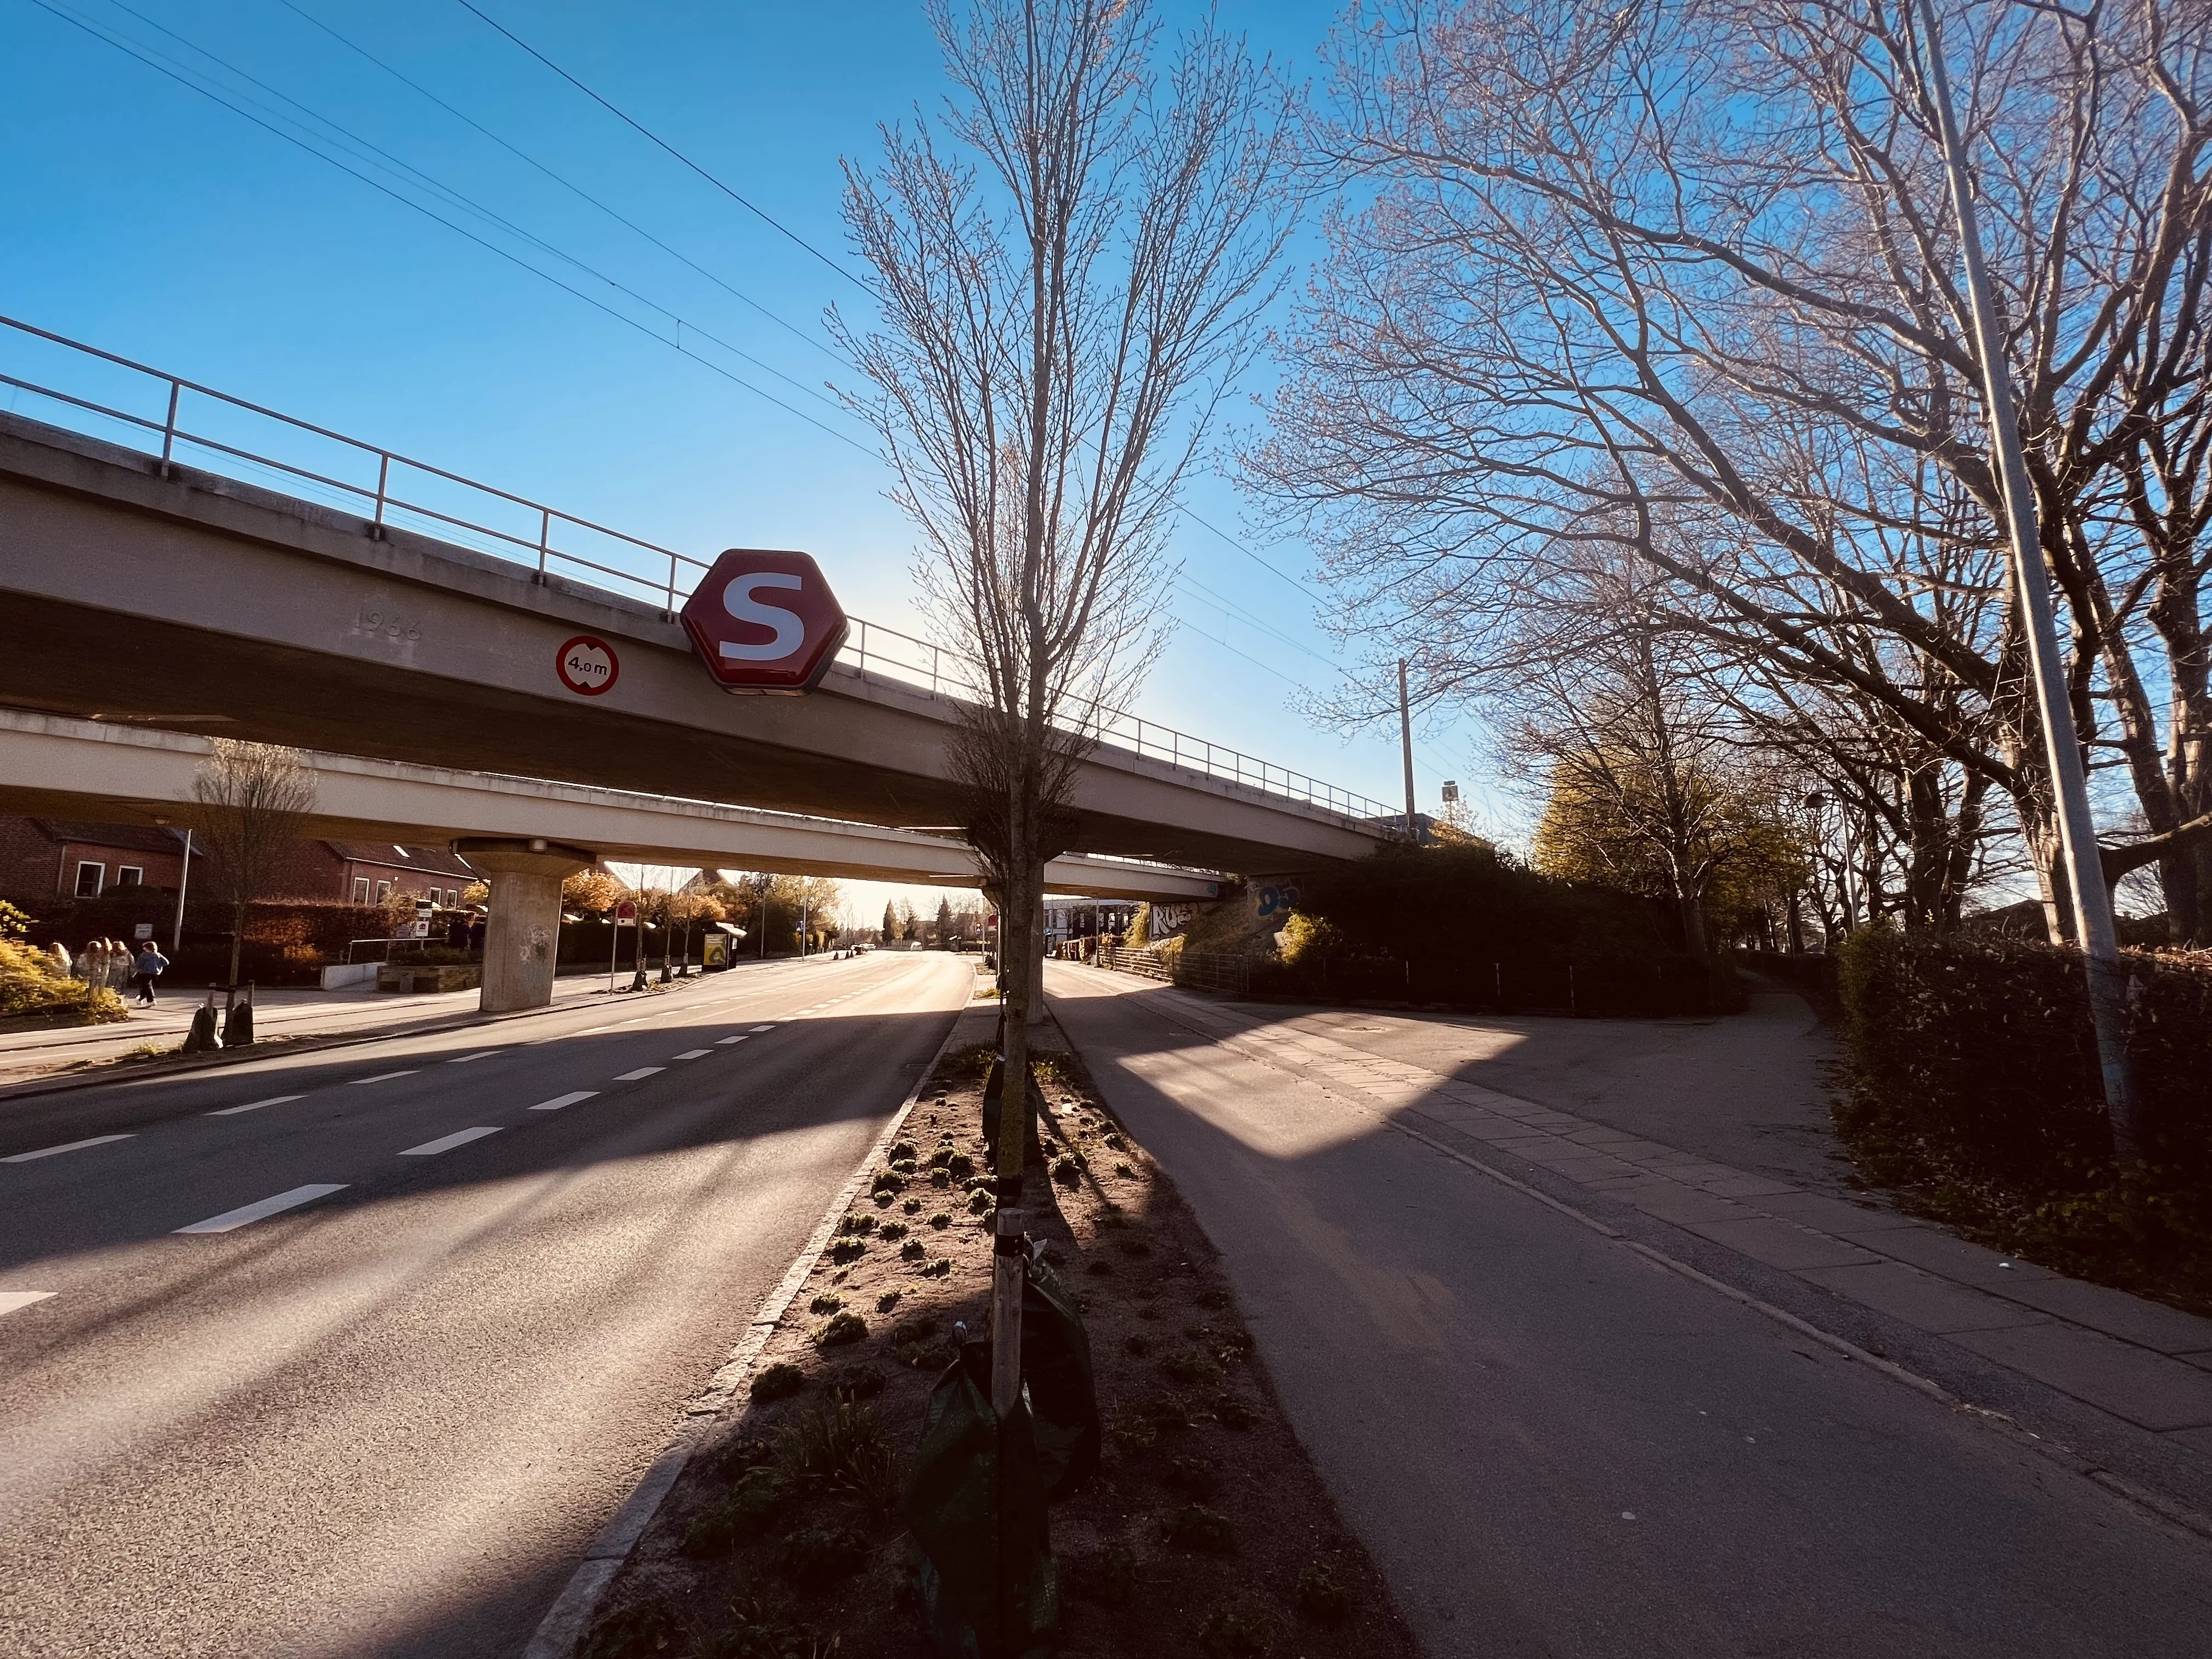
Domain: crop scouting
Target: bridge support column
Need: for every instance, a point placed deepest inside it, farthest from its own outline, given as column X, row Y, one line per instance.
column 522, row 930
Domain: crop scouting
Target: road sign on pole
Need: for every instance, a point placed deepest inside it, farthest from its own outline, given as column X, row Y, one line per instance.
column 765, row 622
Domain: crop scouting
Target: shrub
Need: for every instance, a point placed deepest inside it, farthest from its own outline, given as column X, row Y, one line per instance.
column 887, row 1183
column 858, row 1225
column 778, row 1382
column 840, row 1331
column 1235, row 1633
column 846, row 1251
column 939, row 1268
column 841, row 1447
column 632, row 1632
column 980, row 1203
column 1465, row 924
column 1320, row 1595
column 1974, row 1082
column 1068, row 1172
column 1232, row 1412
column 902, row 1151
column 824, row 1550
column 33, row 984
column 1191, row 1368
column 737, row 1519
column 1194, row 1527
column 913, row 1250
column 960, row 1166
column 941, row 1220
column 891, row 1231
column 1194, row 1477
column 828, row 1303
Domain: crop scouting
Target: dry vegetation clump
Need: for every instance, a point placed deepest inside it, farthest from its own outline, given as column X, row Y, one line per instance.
column 1206, row 1533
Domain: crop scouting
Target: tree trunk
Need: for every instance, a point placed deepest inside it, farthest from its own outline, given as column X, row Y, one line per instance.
column 238, row 946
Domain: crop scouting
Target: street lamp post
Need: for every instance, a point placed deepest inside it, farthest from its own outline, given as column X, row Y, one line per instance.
column 2093, row 900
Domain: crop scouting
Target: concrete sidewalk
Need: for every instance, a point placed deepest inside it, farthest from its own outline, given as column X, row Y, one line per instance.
column 1568, row 1425
column 1663, row 1096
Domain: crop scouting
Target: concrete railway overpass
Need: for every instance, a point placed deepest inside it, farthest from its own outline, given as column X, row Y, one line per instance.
column 52, row 766
column 137, row 592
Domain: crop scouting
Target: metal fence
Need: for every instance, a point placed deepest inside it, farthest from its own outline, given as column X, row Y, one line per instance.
column 175, row 419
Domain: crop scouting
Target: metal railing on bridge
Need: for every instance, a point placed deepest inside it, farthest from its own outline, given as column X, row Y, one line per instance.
column 414, row 495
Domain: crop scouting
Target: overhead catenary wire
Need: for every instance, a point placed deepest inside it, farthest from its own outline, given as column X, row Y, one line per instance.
column 567, row 183
column 638, row 126
column 407, row 171
column 164, row 66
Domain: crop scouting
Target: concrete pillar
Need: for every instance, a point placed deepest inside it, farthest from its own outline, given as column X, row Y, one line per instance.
column 523, row 928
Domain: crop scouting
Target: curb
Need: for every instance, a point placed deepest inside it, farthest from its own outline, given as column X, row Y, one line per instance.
column 563, row 1625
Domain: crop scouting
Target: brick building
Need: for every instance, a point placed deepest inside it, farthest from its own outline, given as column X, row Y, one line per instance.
column 46, row 860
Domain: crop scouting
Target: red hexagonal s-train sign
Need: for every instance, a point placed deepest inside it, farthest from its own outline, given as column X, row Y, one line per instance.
column 765, row 622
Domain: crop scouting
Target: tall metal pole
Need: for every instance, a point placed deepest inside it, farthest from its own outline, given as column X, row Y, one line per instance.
column 184, row 880
column 2077, row 830
column 1405, row 745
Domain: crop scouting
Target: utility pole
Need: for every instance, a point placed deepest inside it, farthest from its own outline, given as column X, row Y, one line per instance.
column 2077, row 832
column 1405, row 745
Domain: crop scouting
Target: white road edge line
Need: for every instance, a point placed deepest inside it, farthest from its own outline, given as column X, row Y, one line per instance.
column 447, row 1143
column 66, row 1147
column 642, row 1071
column 261, row 1209
column 382, row 1077
column 253, row 1105
column 481, row 1053
column 563, row 1628
column 11, row 1300
column 559, row 1100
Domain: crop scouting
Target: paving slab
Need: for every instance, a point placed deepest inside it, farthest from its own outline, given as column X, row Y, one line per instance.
column 1781, row 1243
column 1748, row 1186
column 2146, row 1388
column 1941, row 1252
column 2197, row 1440
column 2201, row 1361
column 1921, row 1299
column 2132, row 1318
column 1832, row 1215
column 1688, row 1206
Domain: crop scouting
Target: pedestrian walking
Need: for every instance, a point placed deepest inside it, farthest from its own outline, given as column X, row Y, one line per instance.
column 148, row 967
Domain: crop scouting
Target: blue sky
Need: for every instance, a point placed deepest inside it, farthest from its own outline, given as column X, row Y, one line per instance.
column 141, row 217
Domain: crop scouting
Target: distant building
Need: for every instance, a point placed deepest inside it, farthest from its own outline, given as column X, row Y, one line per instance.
column 43, row 859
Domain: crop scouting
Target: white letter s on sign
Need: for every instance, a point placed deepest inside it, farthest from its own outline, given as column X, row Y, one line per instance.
column 790, row 632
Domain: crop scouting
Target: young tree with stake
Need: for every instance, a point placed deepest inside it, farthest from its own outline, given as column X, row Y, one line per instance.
column 250, row 800
column 1067, row 267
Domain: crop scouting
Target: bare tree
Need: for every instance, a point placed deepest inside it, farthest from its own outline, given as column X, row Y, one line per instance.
column 251, row 799
column 1680, row 278
column 1067, row 267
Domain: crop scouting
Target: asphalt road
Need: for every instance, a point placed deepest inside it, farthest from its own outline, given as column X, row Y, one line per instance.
column 351, row 1353
column 1555, row 1447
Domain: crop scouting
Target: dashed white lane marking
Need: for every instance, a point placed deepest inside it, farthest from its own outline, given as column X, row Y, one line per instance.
column 447, row 1143
column 66, row 1147
column 740, row 1037
column 643, row 1071
column 757, row 1029
column 261, row 1209
column 481, row 1053
column 693, row 1054
column 559, row 1100
column 382, row 1077
column 253, row 1105
column 11, row 1300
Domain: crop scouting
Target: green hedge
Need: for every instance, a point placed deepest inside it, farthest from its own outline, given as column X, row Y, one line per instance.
column 1464, row 926
column 1974, row 1082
